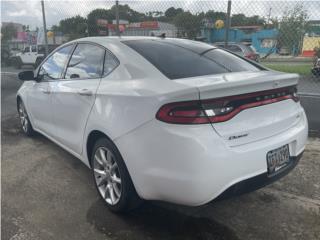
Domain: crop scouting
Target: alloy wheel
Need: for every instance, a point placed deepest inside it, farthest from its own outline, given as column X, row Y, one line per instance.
column 23, row 117
column 107, row 175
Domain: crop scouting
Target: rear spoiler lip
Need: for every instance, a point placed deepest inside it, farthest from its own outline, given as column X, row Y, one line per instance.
column 222, row 85
column 250, row 94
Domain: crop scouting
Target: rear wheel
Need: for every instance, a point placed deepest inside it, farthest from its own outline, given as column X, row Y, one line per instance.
column 24, row 119
column 111, row 177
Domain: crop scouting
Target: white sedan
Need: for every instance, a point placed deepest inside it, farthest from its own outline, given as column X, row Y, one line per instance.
column 165, row 119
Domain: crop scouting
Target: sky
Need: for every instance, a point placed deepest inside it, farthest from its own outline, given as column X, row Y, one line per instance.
column 28, row 12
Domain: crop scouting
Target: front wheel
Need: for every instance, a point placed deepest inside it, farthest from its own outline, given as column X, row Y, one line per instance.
column 112, row 178
column 24, row 119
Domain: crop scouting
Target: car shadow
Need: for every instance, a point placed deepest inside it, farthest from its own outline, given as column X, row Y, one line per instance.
column 155, row 221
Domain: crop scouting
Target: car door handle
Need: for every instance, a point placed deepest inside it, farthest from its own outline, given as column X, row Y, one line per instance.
column 85, row 92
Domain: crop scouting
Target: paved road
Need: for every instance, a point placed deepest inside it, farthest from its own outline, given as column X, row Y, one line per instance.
column 309, row 85
column 48, row 194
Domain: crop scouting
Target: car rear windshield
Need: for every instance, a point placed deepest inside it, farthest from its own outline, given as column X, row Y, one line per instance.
column 177, row 59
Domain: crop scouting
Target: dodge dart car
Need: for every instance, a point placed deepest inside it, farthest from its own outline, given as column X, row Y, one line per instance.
column 165, row 119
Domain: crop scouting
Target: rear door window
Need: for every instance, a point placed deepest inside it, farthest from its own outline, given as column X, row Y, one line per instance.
column 86, row 62
column 110, row 63
column 177, row 62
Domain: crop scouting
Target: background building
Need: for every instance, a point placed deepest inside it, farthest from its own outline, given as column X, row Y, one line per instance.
column 263, row 40
column 147, row 28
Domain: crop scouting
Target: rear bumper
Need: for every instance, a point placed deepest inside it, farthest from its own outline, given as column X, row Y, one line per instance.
column 259, row 181
column 192, row 165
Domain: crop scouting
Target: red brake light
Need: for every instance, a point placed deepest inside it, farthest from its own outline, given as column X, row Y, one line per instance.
column 221, row 109
column 190, row 112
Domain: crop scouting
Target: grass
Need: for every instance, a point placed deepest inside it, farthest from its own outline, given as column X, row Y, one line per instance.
column 302, row 69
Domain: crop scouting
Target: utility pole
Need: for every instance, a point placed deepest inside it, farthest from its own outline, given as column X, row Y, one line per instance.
column 87, row 29
column 117, row 17
column 228, row 23
column 269, row 15
column 44, row 28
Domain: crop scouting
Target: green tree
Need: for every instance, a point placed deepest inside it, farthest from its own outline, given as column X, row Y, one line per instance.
column 8, row 32
column 96, row 14
column 272, row 23
column 238, row 19
column 125, row 13
column 74, row 27
column 188, row 24
column 292, row 27
column 55, row 28
column 255, row 20
column 243, row 20
column 214, row 16
column 170, row 13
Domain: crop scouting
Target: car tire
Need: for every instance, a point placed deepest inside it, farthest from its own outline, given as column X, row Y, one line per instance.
column 24, row 120
column 111, row 177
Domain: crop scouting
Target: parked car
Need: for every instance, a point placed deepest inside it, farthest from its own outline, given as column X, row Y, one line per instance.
column 31, row 55
column 240, row 49
column 284, row 51
column 165, row 119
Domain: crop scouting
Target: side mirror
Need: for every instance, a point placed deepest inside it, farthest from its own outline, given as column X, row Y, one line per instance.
column 26, row 76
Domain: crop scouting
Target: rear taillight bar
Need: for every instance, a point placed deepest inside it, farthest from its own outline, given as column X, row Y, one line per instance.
column 221, row 109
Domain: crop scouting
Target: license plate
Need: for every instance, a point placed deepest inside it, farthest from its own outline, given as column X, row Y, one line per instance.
column 278, row 159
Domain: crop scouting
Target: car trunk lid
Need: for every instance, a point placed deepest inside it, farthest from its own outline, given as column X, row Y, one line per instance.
column 260, row 101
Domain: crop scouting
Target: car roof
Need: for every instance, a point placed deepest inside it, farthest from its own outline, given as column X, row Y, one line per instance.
column 106, row 41
column 110, row 39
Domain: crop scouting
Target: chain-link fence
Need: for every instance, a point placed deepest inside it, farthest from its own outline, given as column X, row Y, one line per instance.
column 282, row 35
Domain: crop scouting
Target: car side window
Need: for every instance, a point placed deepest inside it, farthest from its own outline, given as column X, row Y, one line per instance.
column 34, row 49
column 53, row 67
column 86, row 62
column 110, row 63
